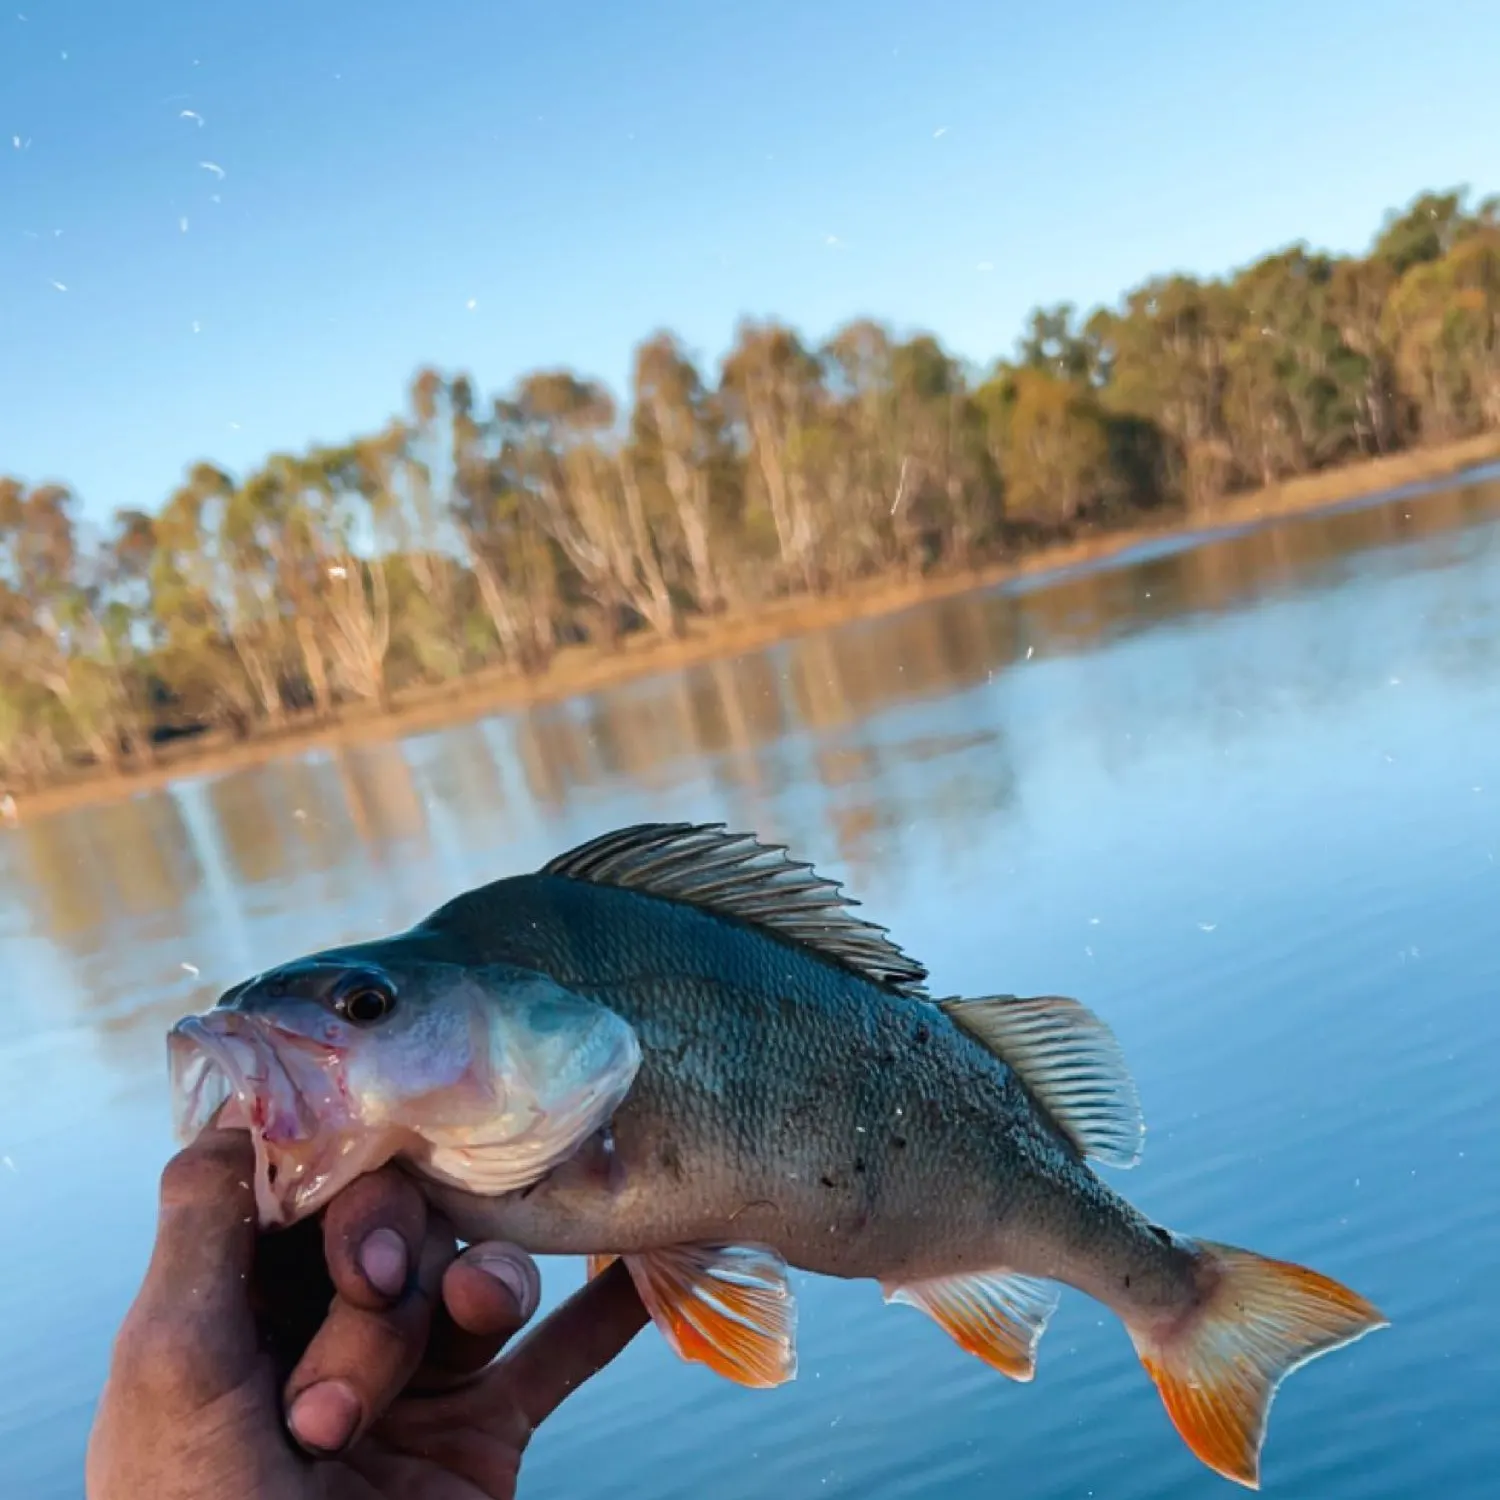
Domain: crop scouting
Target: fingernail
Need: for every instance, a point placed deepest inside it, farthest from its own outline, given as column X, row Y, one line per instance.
column 382, row 1258
column 517, row 1276
column 325, row 1415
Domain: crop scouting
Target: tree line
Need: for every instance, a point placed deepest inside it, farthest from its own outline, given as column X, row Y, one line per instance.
column 476, row 533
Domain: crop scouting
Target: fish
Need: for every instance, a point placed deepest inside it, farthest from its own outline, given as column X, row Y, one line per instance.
column 678, row 1046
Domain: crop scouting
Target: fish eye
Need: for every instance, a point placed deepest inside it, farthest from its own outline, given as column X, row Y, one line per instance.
column 365, row 1000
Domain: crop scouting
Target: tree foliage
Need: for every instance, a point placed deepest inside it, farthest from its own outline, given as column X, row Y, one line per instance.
column 473, row 533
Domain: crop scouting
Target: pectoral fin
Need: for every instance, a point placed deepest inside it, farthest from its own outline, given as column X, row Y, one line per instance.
column 598, row 1263
column 996, row 1316
column 729, row 1307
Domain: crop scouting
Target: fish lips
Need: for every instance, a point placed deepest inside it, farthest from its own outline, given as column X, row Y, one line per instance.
column 227, row 1071
column 211, row 1066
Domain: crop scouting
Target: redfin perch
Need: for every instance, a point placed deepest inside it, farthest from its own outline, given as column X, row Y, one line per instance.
column 676, row 1045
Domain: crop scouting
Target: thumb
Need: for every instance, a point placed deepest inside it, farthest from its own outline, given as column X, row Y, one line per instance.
column 193, row 1309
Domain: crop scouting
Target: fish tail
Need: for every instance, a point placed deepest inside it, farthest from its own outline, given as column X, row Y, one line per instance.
column 1217, row 1367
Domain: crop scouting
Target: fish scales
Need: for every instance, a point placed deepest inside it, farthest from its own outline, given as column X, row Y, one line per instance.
column 779, row 1095
column 784, row 1099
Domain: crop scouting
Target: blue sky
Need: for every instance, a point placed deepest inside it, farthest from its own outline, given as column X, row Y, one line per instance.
column 583, row 174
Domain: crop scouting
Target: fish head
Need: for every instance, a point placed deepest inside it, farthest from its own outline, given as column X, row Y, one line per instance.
column 483, row 1078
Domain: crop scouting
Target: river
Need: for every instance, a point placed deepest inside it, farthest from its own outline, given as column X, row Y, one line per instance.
column 1242, row 796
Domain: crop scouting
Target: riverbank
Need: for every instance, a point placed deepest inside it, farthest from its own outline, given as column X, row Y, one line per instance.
column 585, row 669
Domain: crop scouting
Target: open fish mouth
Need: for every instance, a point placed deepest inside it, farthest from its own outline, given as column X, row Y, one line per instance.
column 286, row 1091
column 214, row 1064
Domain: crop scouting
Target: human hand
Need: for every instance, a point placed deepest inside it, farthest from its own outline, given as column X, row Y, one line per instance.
column 364, row 1334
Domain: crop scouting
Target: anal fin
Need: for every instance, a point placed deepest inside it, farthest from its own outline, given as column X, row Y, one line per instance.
column 729, row 1307
column 992, row 1314
column 598, row 1263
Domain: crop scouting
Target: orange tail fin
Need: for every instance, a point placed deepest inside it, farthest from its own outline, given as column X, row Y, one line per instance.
column 1218, row 1371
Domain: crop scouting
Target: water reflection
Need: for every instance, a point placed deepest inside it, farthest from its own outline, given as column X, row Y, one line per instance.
column 90, row 874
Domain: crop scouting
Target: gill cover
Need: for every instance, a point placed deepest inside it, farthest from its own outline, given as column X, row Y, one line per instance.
column 558, row 1067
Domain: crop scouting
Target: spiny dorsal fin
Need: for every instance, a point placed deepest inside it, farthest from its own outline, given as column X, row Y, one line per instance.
column 1070, row 1061
column 735, row 875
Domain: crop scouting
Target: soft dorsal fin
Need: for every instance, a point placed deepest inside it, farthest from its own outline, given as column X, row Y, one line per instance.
column 735, row 875
column 1070, row 1061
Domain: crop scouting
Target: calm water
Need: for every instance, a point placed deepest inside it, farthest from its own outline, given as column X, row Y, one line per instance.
column 1243, row 798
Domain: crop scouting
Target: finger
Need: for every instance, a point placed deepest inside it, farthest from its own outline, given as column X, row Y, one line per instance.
column 502, row 1409
column 373, row 1233
column 573, row 1343
column 192, row 1320
column 359, row 1361
column 205, row 1233
column 489, row 1294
